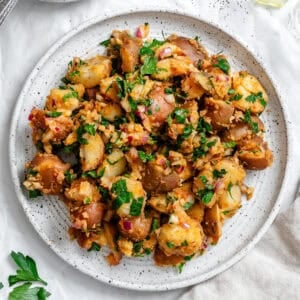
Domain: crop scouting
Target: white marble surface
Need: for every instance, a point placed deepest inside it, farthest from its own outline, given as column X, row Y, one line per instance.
column 34, row 26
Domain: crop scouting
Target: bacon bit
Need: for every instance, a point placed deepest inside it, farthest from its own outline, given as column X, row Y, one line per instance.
column 130, row 138
column 53, row 102
column 57, row 129
column 30, row 117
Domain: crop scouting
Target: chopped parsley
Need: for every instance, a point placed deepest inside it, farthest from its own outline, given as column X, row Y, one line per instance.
column 222, row 64
column 72, row 94
column 34, row 193
column 149, row 66
column 86, row 128
column 230, row 144
column 236, row 97
column 207, row 193
column 180, row 114
column 119, row 188
column 231, row 92
column 145, row 157
column 147, row 48
column 180, row 267
column 188, row 129
column 124, row 87
column 87, row 200
column 94, row 247
column 247, row 119
column 229, row 187
column 168, row 91
column 219, row 173
column 170, row 244
column 32, row 172
column 187, row 205
column 105, row 43
column 254, row 97
column 137, row 247
column 136, row 206
column 69, row 176
column 93, row 174
column 53, row 114
column 204, row 148
column 74, row 73
column 155, row 224
column 185, row 243
column 203, row 126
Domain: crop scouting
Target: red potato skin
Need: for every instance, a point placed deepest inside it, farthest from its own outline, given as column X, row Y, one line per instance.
column 160, row 106
column 153, row 179
column 91, row 214
column 190, row 47
column 140, row 227
column 51, row 170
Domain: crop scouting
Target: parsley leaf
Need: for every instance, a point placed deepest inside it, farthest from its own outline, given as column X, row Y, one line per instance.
column 188, row 129
column 145, row 157
column 180, row 267
column 105, row 43
column 72, row 94
column 155, row 224
column 170, row 244
column 236, row 97
column 69, row 176
column 230, row 144
column 187, row 205
column 86, row 128
column 25, row 292
column 1, row 285
column 137, row 246
column 53, row 114
column 168, row 91
column 219, row 173
column 231, row 92
column 149, row 66
column 147, row 48
column 34, row 193
column 93, row 174
column 119, row 188
column 203, row 126
column 27, row 271
column 94, row 247
column 229, row 187
column 222, row 64
column 180, row 114
column 136, row 206
column 247, row 119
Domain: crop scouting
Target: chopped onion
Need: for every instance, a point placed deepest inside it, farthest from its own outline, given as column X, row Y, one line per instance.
column 127, row 225
column 166, row 52
column 185, row 225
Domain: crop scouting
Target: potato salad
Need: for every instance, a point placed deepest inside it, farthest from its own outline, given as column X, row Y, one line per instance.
column 148, row 146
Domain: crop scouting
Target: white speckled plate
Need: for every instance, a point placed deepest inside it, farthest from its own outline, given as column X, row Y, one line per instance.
column 49, row 216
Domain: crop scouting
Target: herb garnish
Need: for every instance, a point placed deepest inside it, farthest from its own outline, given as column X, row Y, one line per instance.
column 180, row 114
column 105, row 43
column 53, row 114
column 145, row 157
column 119, row 188
column 136, row 206
column 222, row 64
column 219, row 173
column 247, row 119
column 95, row 247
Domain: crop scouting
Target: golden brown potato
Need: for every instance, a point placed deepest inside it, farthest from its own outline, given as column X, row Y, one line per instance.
column 159, row 203
column 82, row 190
column 92, row 153
column 220, row 81
column 161, row 259
column 125, row 246
column 254, row 97
column 49, row 177
column 65, row 100
column 190, row 47
column 154, row 179
column 129, row 51
column 170, row 67
column 191, row 87
column 212, row 225
column 230, row 201
column 111, row 111
column 135, row 228
column 90, row 72
column 180, row 239
column 196, row 212
column 109, row 88
column 220, row 112
column 257, row 158
column 134, row 187
column 88, row 216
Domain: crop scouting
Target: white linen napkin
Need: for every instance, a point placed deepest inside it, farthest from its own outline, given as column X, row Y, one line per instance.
column 270, row 271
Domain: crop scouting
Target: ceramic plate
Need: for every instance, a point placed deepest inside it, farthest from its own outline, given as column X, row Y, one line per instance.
column 50, row 217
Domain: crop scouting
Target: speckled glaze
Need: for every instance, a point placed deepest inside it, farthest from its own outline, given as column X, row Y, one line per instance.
column 50, row 217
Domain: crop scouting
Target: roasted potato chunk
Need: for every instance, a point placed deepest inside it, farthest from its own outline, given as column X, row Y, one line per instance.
column 46, row 174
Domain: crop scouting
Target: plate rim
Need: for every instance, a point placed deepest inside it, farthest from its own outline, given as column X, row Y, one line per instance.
column 288, row 133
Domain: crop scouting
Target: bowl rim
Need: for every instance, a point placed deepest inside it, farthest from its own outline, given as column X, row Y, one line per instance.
column 120, row 12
